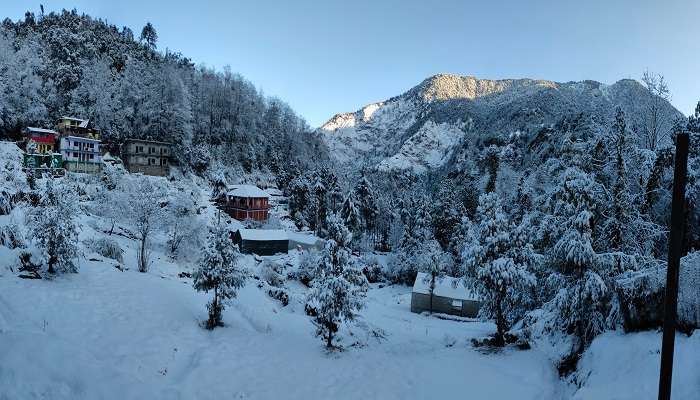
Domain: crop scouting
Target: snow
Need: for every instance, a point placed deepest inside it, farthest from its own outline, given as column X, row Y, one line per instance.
column 263, row 234
column 247, row 191
column 626, row 367
column 32, row 129
column 446, row 287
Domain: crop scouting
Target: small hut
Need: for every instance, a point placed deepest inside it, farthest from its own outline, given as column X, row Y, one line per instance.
column 449, row 297
column 263, row 242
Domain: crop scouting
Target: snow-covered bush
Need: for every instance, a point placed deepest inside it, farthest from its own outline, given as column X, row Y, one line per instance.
column 372, row 269
column 272, row 273
column 106, row 247
column 307, row 267
column 11, row 236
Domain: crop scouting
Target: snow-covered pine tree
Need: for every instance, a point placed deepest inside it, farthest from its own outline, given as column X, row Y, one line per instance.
column 350, row 215
column 416, row 246
column 580, row 293
column 447, row 211
column 618, row 223
column 339, row 286
column 367, row 204
column 492, row 158
column 319, row 192
column 52, row 226
column 220, row 271
column 490, row 265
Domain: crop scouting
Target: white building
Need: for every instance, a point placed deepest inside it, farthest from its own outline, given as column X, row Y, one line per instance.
column 81, row 154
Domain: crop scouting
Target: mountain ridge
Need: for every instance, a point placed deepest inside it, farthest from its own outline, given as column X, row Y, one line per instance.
column 419, row 130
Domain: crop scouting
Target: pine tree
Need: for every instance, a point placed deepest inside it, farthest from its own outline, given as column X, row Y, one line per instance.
column 149, row 36
column 219, row 270
column 492, row 159
column 367, row 204
column 579, row 302
column 491, row 267
column 339, row 287
column 52, row 225
column 350, row 215
column 618, row 223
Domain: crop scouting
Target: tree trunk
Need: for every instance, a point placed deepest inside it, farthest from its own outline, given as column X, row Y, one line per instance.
column 329, row 342
column 500, row 324
column 143, row 264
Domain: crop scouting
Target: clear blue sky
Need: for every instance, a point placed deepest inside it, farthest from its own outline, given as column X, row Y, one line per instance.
column 326, row 57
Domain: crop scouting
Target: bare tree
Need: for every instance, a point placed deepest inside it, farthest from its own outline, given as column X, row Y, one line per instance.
column 657, row 119
column 145, row 200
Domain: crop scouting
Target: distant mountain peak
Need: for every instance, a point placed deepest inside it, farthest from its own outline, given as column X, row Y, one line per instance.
column 421, row 129
column 450, row 86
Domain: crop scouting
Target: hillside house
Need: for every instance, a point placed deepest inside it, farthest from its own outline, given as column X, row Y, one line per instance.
column 449, row 297
column 40, row 141
column 71, row 126
column 147, row 157
column 263, row 242
column 247, row 202
column 81, row 154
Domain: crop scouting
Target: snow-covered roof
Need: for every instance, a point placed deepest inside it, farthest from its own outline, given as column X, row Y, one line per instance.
column 32, row 129
column 263, row 234
column 444, row 287
column 247, row 191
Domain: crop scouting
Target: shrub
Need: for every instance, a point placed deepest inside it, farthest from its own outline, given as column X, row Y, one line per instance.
column 272, row 273
column 106, row 247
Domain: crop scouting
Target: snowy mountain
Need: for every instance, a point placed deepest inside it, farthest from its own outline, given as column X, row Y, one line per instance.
column 423, row 128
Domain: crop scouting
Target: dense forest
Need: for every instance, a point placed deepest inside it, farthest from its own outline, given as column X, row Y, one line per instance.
column 71, row 64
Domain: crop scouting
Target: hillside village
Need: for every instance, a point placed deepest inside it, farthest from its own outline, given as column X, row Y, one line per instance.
column 168, row 231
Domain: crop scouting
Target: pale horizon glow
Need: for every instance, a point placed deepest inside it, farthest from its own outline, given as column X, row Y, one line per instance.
column 325, row 58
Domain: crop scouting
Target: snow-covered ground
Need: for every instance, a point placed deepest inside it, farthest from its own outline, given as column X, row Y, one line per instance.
column 104, row 333
column 115, row 333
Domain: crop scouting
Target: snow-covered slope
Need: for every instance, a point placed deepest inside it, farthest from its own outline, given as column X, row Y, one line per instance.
column 421, row 129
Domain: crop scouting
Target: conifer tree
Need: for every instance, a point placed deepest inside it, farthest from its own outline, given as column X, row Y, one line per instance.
column 350, row 215
column 339, row 286
column 219, row 271
column 492, row 269
column 52, row 226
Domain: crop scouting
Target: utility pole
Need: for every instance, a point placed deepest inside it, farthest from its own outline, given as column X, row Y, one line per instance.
column 675, row 250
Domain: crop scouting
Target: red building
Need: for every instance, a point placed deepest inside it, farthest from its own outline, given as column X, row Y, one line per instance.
column 247, row 202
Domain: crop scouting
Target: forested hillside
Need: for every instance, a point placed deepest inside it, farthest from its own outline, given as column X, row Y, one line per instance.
column 72, row 64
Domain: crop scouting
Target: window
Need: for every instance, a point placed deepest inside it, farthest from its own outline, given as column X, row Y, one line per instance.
column 457, row 304
column 151, row 161
column 75, row 154
column 92, row 156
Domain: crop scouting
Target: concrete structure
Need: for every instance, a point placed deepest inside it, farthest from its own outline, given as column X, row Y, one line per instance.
column 247, row 202
column 81, row 154
column 40, row 141
column 71, row 126
column 447, row 298
column 263, row 242
column 147, row 157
